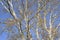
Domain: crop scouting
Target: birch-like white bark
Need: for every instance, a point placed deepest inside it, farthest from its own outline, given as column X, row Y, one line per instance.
column 4, row 6
column 12, row 12
column 50, row 30
column 27, row 21
column 37, row 34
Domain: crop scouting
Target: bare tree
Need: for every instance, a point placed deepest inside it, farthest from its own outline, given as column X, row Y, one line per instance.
column 31, row 15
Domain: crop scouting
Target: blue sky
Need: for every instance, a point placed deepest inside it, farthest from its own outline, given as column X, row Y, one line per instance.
column 4, row 15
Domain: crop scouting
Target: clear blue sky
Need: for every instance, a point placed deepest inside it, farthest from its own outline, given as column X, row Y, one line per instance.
column 4, row 15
